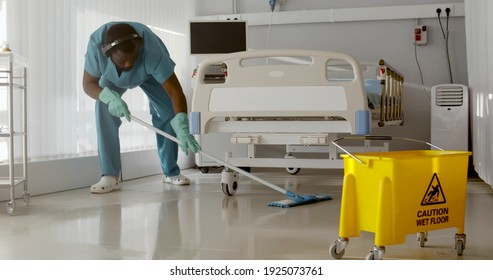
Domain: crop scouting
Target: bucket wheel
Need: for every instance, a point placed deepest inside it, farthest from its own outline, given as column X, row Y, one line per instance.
column 338, row 249
column 376, row 253
column 229, row 181
column 460, row 243
column 422, row 237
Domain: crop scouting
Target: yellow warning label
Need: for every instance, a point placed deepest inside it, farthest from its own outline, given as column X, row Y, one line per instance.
column 432, row 217
column 434, row 194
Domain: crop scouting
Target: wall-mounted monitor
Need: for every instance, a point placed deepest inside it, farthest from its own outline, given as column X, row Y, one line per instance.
column 218, row 36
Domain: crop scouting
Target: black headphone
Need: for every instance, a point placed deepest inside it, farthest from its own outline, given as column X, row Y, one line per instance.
column 107, row 47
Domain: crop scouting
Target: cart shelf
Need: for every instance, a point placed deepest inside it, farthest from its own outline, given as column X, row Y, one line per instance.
column 13, row 86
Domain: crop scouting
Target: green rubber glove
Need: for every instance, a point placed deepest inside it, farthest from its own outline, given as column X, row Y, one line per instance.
column 182, row 130
column 117, row 107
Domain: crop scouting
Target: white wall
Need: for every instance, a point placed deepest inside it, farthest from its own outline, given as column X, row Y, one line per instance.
column 479, row 26
column 368, row 41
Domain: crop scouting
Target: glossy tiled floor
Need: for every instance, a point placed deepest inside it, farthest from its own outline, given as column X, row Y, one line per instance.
column 151, row 220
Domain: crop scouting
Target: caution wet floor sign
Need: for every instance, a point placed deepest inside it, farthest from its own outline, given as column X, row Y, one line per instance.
column 434, row 196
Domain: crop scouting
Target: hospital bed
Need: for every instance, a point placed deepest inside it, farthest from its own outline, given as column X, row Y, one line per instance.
column 301, row 99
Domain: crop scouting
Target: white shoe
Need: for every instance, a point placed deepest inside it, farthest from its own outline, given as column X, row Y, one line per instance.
column 178, row 180
column 105, row 185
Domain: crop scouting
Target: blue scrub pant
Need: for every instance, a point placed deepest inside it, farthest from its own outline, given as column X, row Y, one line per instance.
column 107, row 126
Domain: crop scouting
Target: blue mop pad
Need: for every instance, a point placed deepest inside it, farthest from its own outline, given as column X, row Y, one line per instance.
column 296, row 200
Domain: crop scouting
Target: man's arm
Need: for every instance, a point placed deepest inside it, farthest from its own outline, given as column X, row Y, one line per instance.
column 91, row 85
column 175, row 92
column 180, row 121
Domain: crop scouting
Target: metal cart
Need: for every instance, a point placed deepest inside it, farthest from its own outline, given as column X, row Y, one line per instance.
column 393, row 194
column 13, row 124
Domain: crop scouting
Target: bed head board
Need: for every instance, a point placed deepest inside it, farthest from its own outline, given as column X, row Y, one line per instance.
column 279, row 83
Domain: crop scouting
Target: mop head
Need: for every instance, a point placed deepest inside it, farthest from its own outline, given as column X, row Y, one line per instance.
column 295, row 200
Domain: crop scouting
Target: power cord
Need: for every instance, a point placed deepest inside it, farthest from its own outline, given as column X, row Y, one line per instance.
column 268, row 34
column 445, row 34
column 268, row 30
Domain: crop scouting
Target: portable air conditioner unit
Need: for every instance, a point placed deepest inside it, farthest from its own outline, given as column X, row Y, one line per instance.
column 450, row 117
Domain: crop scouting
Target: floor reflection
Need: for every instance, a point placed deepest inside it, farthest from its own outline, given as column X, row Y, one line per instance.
column 151, row 220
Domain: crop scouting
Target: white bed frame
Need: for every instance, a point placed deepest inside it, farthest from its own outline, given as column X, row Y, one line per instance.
column 293, row 103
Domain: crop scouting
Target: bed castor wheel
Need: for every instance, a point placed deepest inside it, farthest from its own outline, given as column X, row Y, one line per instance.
column 229, row 181
column 204, row 170
column 291, row 170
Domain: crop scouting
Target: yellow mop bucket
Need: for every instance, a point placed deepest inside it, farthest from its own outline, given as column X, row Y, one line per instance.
column 393, row 194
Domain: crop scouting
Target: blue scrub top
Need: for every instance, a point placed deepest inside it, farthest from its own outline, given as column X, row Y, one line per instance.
column 153, row 61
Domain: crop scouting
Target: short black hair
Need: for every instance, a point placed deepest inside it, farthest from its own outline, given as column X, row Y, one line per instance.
column 118, row 31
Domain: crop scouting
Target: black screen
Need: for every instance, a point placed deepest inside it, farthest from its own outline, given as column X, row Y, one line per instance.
column 215, row 37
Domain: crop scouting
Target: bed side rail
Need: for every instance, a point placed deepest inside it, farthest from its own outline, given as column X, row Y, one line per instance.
column 391, row 96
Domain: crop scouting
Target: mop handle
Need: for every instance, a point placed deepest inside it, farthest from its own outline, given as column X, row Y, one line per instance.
column 243, row 172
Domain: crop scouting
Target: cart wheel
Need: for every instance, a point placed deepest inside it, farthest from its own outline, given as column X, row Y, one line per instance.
column 334, row 253
column 293, row 170
column 11, row 207
column 376, row 253
column 422, row 238
column 204, row 170
column 338, row 249
column 26, row 197
column 460, row 243
column 370, row 256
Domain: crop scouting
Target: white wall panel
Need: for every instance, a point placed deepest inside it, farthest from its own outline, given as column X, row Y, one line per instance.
column 479, row 28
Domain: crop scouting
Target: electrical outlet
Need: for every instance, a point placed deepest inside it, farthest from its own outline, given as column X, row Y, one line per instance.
column 420, row 34
column 229, row 17
column 443, row 10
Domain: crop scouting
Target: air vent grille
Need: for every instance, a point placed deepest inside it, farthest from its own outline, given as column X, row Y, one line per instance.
column 449, row 96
